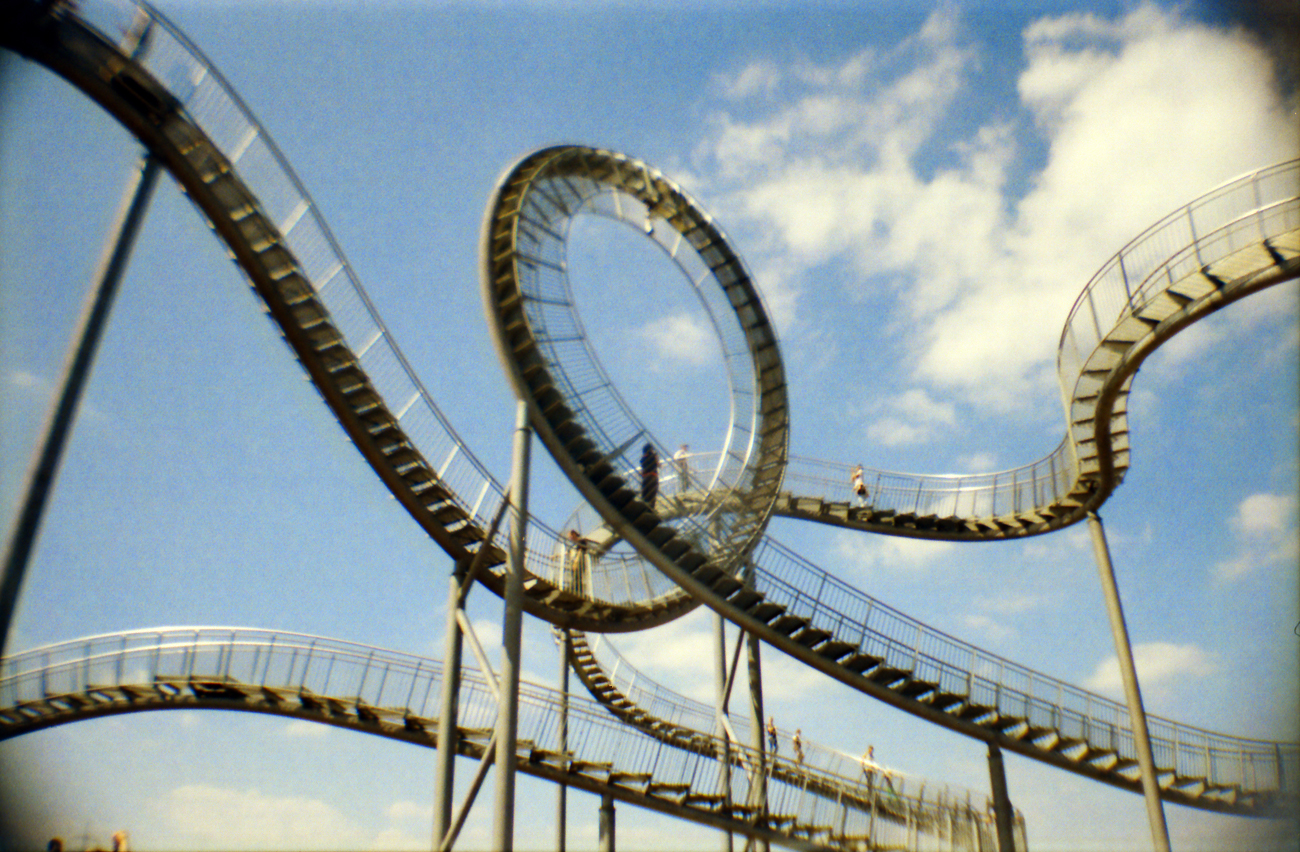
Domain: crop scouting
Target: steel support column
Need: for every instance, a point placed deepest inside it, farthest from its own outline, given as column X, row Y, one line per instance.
column 757, row 740
column 511, row 632
column 1137, row 715
column 606, row 841
column 724, row 759
column 1001, row 801
column 444, row 780
column 112, row 264
column 561, row 799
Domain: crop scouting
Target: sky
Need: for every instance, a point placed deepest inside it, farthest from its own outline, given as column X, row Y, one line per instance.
column 921, row 191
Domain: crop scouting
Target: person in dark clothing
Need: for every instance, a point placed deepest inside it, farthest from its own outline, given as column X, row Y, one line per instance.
column 649, row 475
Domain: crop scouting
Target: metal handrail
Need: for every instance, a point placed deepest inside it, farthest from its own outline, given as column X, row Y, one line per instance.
column 146, row 34
column 406, row 685
column 1014, row 690
column 664, row 703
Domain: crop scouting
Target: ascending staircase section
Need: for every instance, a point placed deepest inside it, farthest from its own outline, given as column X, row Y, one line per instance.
column 575, row 409
column 163, row 90
column 396, row 695
column 890, row 798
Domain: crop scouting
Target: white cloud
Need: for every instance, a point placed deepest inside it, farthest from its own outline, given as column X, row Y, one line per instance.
column 1160, row 666
column 911, row 417
column 1264, row 528
column 862, row 555
column 407, row 809
column 682, row 337
column 830, row 174
column 303, row 728
column 207, row 817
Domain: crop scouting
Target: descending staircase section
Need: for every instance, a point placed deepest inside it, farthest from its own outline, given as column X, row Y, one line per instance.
column 395, row 695
column 884, row 794
column 165, row 92
column 817, row 618
column 575, row 409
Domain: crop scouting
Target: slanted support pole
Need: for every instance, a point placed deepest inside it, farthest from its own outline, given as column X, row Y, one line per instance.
column 1001, row 801
column 607, row 823
column 117, row 251
column 1137, row 715
column 462, row 578
column 511, row 633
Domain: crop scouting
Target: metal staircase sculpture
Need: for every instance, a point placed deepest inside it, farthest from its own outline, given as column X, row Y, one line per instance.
column 1230, row 243
column 394, row 695
column 670, row 717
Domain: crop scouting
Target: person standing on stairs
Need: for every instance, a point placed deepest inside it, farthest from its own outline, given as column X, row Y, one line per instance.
column 859, row 487
column 649, row 476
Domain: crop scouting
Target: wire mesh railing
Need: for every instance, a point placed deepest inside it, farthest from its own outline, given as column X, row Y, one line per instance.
column 208, row 100
column 531, row 214
column 1247, row 211
column 1015, row 691
column 663, row 703
column 405, row 685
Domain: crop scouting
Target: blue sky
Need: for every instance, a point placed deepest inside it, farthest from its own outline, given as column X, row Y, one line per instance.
column 921, row 192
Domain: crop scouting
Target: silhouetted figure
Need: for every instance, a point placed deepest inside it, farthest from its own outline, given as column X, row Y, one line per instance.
column 797, row 742
column 772, row 743
column 649, row 475
column 683, row 468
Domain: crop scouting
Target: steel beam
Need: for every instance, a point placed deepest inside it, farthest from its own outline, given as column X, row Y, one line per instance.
column 1137, row 715
column 112, row 264
column 511, row 635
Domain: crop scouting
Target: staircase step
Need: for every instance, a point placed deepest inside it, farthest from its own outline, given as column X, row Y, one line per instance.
column 860, row 662
column 811, row 636
column 915, row 688
column 788, row 624
column 835, row 649
column 745, row 599
column 767, row 610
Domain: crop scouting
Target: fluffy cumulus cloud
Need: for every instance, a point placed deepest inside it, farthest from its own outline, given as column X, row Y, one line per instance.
column 208, row 817
column 1264, row 528
column 1161, row 667
column 683, row 337
column 846, row 166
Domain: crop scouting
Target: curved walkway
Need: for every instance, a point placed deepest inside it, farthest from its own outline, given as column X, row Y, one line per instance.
column 161, row 88
column 394, row 695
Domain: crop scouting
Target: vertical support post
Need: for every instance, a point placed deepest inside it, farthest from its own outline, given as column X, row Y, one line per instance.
column 607, row 823
column 448, row 724
column 561, row 800
column 724, row 759
column 40, row 480
column 511, row 632
column 1001, row 801
column 1137, row 715
column 756, row 716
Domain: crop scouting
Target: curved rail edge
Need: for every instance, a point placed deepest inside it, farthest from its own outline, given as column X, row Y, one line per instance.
column 670, row 717
column 162, row 89
column 390, row 694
